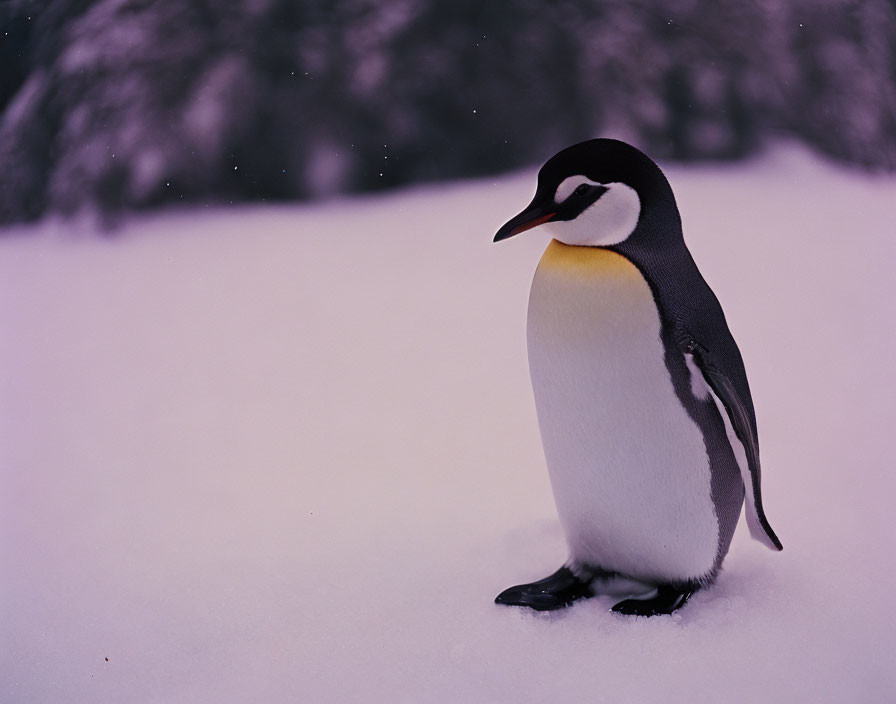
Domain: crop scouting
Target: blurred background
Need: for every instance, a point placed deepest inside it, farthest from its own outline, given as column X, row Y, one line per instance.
column 131, row 104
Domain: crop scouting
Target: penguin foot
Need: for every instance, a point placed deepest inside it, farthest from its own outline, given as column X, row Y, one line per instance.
column 554, row 592
column 666, row 600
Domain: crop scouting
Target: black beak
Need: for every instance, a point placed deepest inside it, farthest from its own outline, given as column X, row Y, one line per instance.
column 531, row 217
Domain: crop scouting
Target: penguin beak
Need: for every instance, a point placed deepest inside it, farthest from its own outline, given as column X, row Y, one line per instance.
column 533, row 216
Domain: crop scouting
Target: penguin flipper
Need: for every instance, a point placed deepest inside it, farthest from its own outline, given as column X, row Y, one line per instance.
column 745, row 443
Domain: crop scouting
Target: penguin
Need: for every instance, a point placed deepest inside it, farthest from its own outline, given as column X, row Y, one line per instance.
column 643, row 405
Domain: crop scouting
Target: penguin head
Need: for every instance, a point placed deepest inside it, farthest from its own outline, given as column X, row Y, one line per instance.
column 598, row 193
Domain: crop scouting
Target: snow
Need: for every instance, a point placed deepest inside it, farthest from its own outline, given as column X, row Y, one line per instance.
column 290, row 454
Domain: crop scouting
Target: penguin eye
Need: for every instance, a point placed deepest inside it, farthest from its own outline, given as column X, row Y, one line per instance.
column 581, row 190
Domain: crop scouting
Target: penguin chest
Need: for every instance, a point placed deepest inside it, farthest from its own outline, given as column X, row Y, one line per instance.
column 628, row 465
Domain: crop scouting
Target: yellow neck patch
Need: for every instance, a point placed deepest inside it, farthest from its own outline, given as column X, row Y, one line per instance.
column 574, row 261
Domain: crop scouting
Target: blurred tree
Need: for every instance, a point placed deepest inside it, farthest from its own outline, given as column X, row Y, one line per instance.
column 128, row 104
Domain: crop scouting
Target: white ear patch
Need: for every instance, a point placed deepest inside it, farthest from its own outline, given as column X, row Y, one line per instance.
column 569, row 184
column 609, row 220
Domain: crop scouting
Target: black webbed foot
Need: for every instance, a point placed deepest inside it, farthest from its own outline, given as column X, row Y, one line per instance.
column 667, row 600
column 554, row 592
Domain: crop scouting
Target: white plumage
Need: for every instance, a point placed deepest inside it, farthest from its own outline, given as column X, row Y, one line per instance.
column 628, row 466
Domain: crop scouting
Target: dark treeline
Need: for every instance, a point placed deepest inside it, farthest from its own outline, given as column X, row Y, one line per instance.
column 128, row 104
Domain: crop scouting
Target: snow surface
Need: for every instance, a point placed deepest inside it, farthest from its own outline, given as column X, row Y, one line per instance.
column 290, row 454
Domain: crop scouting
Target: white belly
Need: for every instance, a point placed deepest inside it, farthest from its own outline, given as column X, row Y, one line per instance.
column 628, row 466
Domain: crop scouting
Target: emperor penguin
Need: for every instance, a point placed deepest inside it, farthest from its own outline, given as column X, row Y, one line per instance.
column 642, row 399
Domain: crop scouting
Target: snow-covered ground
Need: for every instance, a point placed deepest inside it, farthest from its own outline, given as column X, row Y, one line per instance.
column 290, row 454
